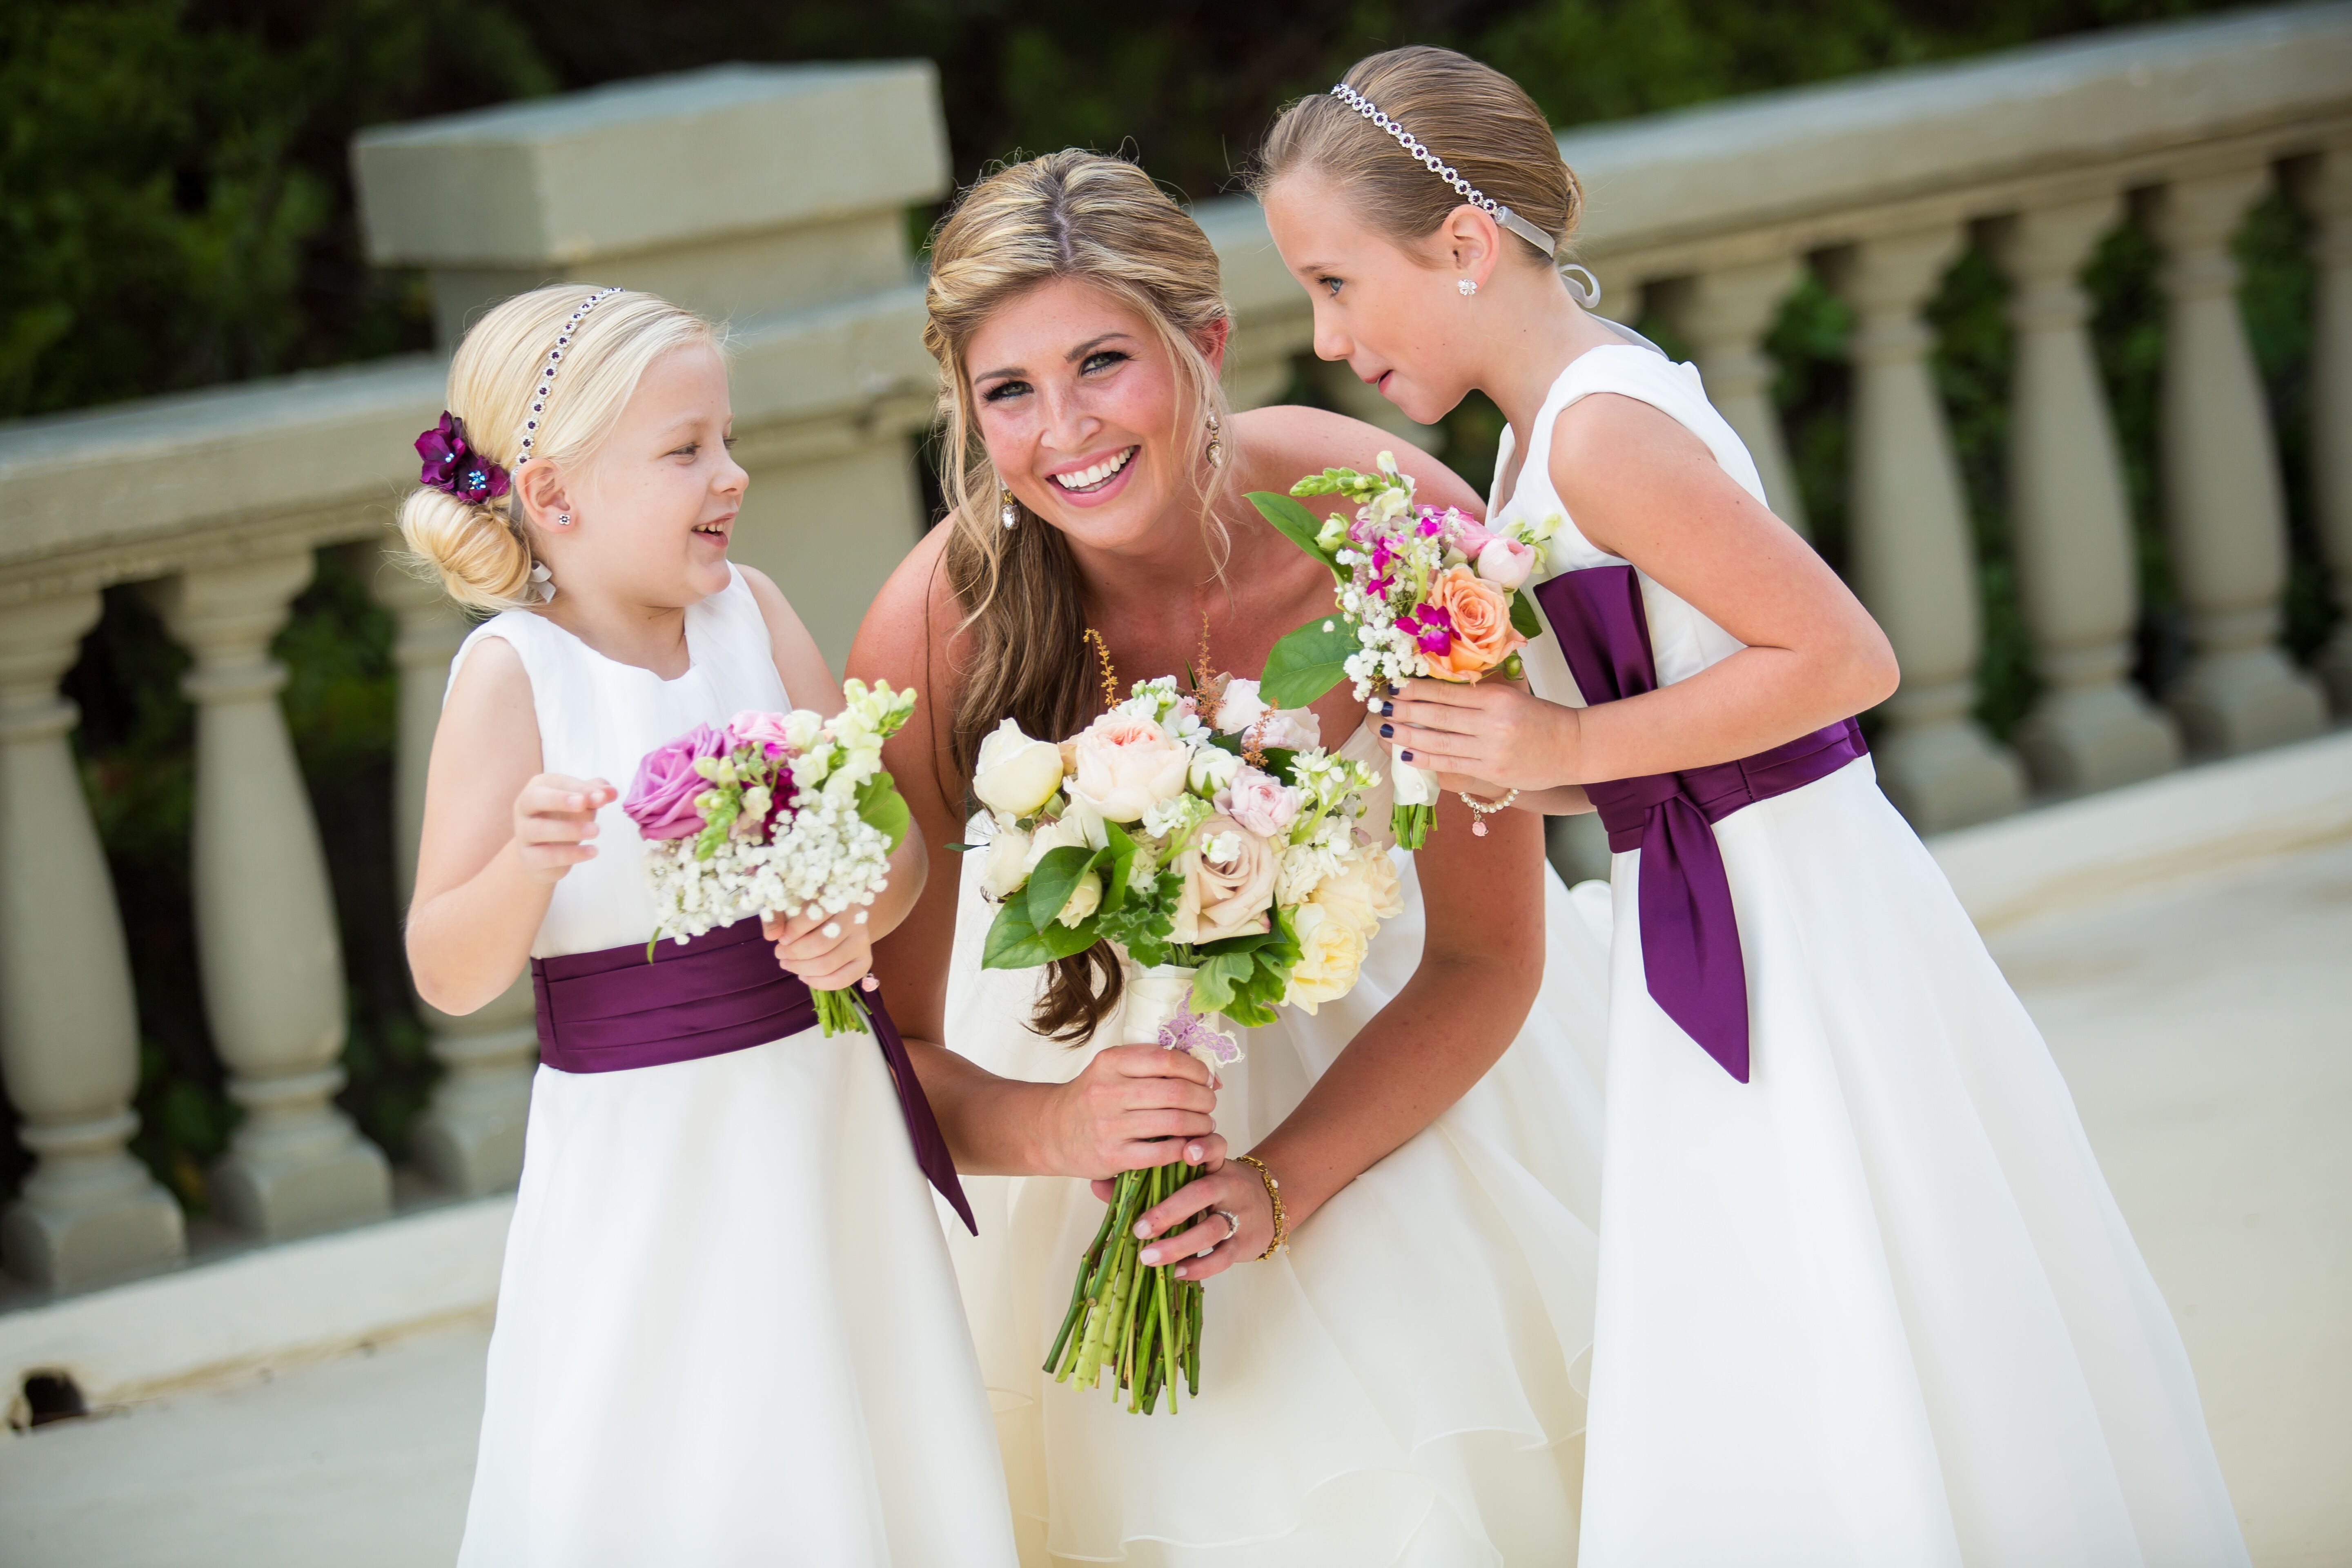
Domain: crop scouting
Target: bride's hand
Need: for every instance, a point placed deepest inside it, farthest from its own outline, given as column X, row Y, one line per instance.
column 1126, row 1111
column 1494, row 733
column 1203, row 1246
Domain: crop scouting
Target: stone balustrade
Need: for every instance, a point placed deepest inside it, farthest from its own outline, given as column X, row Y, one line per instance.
column 777, row 197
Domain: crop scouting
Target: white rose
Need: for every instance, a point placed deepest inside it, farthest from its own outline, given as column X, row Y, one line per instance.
column 1005, row 862
column 1085, row 900
column 1241, row 708
column 1017, row 774
column 1213, row 769
column 1304, row 868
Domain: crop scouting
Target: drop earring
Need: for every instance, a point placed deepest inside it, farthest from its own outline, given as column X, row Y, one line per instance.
column 1008, row 510
column 1216, row 443
column 1468, row 286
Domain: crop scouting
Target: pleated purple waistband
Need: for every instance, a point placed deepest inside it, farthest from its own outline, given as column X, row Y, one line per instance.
column 615, row 1010
column 1690, row 934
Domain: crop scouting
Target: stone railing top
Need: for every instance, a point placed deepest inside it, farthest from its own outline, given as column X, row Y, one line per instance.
column 2046, row 108
column 734, row 149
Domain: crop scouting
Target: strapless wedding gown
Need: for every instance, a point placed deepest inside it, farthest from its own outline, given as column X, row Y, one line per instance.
column 1874, row 1307
column 728, row 1332
column 1406, row 1384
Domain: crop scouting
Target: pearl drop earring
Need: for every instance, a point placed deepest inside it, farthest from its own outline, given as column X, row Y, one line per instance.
column 1008, row 510
column 1216, row 443
column 1468, row 286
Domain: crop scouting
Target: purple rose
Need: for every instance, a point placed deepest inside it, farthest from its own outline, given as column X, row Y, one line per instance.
column 661, row 799
column 452, row 465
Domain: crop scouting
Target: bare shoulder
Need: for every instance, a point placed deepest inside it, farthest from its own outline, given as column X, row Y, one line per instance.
column 1286, row 442
column 492, row 677
column 1608, row 439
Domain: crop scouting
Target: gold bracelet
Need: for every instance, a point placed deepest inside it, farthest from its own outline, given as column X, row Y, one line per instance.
column 1274, row 1196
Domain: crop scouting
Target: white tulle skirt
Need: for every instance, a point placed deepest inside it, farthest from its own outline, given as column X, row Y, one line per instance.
column 1405, row 1384
column 1877, row 1308
column 728, row 1331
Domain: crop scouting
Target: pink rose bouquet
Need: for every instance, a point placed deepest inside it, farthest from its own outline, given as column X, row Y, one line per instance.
column 1423, row 593
column 778, row 814
column 1193, row 833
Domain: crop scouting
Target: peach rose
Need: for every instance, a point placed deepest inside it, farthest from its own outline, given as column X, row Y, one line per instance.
column 1126, row 765
column 1482, row 634
column 1228, row 875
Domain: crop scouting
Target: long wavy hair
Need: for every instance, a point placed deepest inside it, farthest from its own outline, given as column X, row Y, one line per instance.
column 1066, row 215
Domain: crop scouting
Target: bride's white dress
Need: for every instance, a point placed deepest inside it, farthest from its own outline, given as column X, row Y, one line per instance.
column 1406, row 1384
column 1874, row 1307
column 728, row 1332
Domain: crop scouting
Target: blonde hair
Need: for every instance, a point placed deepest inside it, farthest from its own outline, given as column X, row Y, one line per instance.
column 1077, row 214
column 1470, row 115
column 481, row 550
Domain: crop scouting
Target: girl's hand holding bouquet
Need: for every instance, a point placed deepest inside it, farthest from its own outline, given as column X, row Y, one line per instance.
column 1423, row 595
column 789, row 817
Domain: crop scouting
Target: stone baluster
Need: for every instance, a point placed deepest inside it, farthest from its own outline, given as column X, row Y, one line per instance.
column 1725, row 314
column 469, row 1139
column 2224, row 515
column 2327, row 195
column 1912, row 561
column 2068, row 516
column 68, row 1028
column 266, row 937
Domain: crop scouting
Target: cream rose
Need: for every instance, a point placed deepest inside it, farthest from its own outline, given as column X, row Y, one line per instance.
column 1227, row 897
column 1364, row 891
column 1004, row 861
column 1127, row 764
column 1084, row 900
column 1016, row 775
column 1241, row 707
column 1331, row 953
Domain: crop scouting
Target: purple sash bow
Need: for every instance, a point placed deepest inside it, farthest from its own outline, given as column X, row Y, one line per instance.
column 1690, row 937
column 610, row 1011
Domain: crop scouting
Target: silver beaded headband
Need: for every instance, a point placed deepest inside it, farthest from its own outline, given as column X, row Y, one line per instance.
column 1444, row 171
column 547, row 370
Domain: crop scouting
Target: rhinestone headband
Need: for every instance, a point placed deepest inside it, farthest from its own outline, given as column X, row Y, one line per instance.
column 547, row 371
column 1444, row 171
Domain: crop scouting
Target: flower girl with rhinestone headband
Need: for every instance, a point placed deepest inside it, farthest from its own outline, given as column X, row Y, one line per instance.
column 728, row 1329
column 1864, row 1299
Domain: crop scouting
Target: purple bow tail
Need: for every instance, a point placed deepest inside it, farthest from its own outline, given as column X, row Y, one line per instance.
column 1690, row 936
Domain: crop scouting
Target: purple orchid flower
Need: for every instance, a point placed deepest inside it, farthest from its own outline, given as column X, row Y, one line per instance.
column 452, row 465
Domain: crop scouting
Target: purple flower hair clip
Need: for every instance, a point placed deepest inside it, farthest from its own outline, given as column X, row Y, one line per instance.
column 452, row 465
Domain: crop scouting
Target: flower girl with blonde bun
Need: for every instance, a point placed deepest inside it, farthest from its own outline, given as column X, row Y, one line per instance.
column 1864, row 1299
column 728, row 1331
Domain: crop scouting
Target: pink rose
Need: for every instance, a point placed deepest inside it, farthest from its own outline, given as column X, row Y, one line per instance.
column 752, row 728
column 1466, row 533
column 661, row 799
column 1289, row 730
column 1228, row 896
column 1126, row 765
column 1260, row 802
column 1504, row 562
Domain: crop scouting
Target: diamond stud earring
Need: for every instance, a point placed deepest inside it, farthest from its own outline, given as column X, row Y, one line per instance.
column 1468, row 286
column 1008, row 510
column 564, row 520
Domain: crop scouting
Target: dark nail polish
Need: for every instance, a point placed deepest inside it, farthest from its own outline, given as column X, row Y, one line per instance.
column 1388, row 731
column 1388, row 710
column 1404, row 756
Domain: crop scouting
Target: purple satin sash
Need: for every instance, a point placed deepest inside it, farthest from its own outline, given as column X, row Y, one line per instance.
column 1690, row 937
column 611, row 1011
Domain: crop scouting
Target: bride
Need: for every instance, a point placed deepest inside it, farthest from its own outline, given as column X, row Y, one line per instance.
column 1404, row 1383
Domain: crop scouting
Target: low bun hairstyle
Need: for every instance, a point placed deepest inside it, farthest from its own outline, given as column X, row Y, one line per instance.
column 1077, row 214
column 1470, row 115
column 482, row 550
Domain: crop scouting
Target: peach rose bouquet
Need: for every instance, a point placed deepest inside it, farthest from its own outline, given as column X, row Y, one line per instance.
column 1422, row 593
column 1212, row 842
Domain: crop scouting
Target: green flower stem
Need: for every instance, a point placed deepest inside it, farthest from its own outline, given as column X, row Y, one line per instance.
column 1410, row 824
column 840, row 1012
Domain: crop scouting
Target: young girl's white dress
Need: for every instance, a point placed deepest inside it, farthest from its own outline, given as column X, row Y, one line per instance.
column 728, row 1331
column 1876, row 1308
column 1405, row 1384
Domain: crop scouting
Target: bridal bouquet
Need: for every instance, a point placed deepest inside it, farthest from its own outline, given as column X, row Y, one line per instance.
column 1213, row 842
column 1422, row 593
column 778, row 814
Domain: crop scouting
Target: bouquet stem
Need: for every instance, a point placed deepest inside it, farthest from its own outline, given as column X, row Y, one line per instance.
column 840, row 1012
column 1409, row 824
column 1141, row 1322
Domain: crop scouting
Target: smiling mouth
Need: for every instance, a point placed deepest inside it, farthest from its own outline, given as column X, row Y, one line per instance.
column 716, row 532
column 1093, row 479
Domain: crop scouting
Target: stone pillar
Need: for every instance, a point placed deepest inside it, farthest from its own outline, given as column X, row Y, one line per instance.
column 1725, row 315
column 2068, row 516
column 69, row 1026
column 2224, row 515
column 2327, row 195
column 266, row 938
column 1913, row 563
column 469, row 1139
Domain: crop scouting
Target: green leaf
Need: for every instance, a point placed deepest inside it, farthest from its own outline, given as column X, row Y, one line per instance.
column 1012, row 943
column 1308, row 663
column 884, row 809
column 1524, row 619
column 1295, row 522
column 1214, row 984
column 1055, row 878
